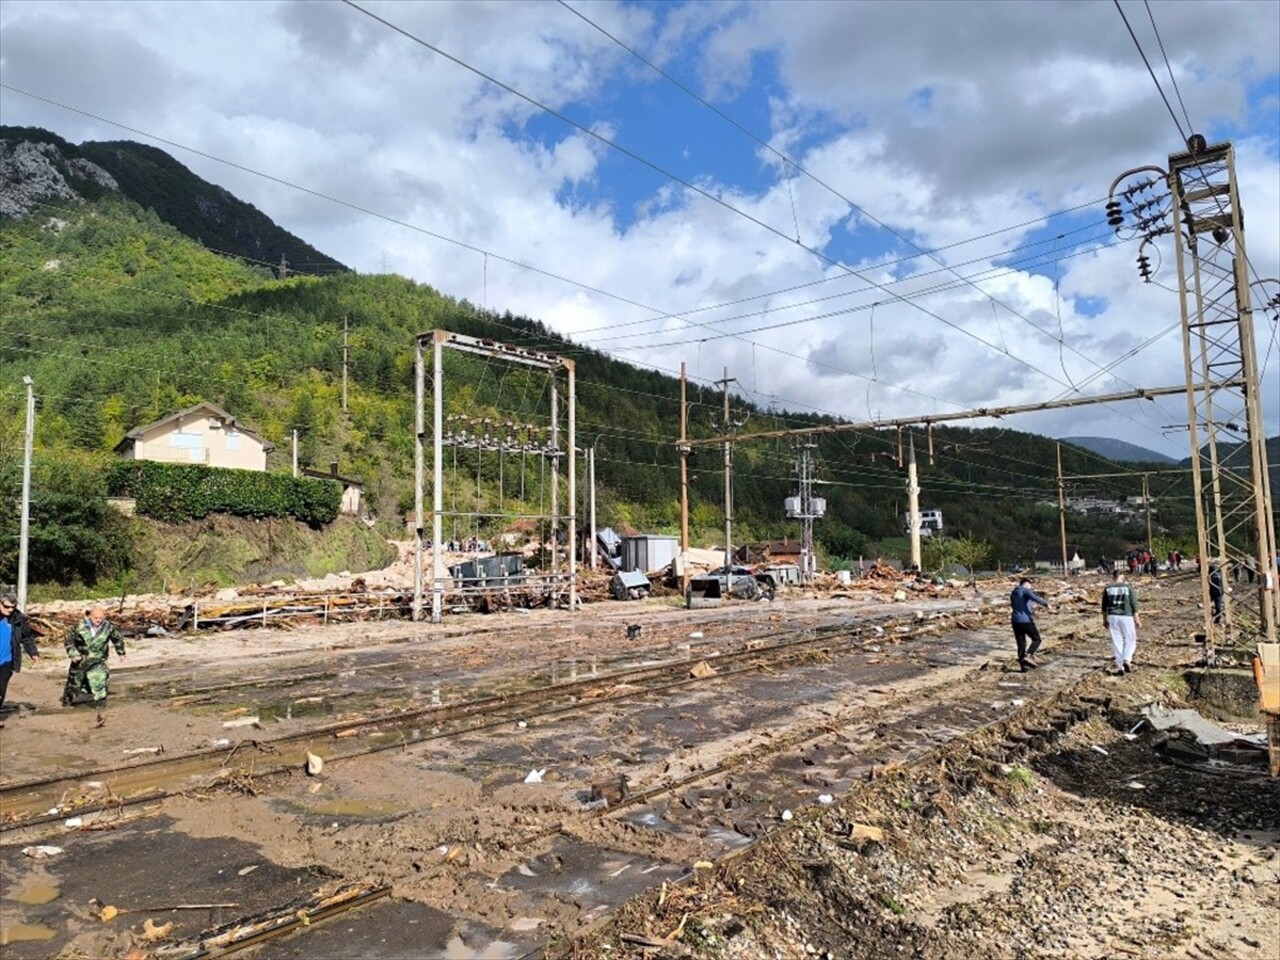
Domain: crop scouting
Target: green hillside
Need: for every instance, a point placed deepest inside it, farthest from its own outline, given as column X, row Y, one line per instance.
column 121, row 320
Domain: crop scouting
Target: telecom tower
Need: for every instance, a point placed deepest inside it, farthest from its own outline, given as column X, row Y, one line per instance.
column 806, row 507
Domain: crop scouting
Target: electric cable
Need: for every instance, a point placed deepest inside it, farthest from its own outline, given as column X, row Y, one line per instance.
column 1142, row 53
column 789, row 162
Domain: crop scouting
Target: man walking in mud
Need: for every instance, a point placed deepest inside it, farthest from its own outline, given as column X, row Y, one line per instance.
column 15, row 637
column 1024, row 624
column 1120, row 614
column 87, row 645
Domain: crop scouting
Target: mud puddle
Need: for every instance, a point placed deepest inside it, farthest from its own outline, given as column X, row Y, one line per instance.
column 143, row 870
column 394, row 930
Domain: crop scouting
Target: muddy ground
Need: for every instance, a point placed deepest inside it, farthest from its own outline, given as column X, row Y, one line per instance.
column 1062, row 850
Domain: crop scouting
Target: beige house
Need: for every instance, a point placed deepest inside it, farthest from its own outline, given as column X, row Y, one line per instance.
column 200, row 434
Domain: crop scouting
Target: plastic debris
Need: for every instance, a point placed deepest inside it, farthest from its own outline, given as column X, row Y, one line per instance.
column 73, row 823
column 826, row 798
column 787, row 815
column 1102, row 750
column 696, row 635
column 535, row 776
column 41, row 852
column 314, row 765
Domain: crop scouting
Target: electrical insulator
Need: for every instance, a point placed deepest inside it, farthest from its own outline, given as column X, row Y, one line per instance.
column 1115, row 216
column 1220, row 235
column 1144, row 267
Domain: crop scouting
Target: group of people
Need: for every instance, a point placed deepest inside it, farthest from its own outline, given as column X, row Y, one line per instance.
column 468, row 545
column 1119, row 616
column 88, row 645
column 1142, row 561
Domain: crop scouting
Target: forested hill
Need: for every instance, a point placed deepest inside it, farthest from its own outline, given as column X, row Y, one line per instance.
column 1118, row 450
column 122, row 320
column 41, row 166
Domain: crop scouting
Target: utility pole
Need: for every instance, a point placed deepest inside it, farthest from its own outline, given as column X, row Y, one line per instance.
column 283, row 270
column 1146, row 502
column 684, row 482
column 591, row 482
column 295, row 451
column 344, row 364
column 1062, row 514
column 913, row 507
column 24, row 530
column 728, row 479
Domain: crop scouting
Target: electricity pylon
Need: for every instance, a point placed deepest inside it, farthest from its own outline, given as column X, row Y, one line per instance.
column 1235, row 523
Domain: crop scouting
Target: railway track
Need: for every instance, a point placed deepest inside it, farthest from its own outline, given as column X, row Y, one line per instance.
column 921, row 692
column 45, row 800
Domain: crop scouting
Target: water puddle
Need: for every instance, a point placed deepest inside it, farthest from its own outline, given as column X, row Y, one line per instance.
column 37, row 893
column 26, row 933
column 356, row 808
column 455, row 949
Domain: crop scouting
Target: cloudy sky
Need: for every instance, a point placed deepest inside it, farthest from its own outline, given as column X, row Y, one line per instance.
column 866, row 209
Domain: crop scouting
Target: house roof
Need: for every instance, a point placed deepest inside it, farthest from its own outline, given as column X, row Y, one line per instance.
column 330, row 475
column 207, row 408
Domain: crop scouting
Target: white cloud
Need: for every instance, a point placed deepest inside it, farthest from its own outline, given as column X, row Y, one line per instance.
column 944, row 121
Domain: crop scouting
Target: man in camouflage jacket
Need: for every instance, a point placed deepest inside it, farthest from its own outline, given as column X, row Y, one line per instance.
column 87, row 646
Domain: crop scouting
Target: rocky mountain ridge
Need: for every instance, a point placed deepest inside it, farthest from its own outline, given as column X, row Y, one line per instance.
column 35, row 172
column 38, row 167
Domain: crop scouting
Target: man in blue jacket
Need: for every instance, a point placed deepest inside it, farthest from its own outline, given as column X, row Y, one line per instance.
column 15, row 637
column 1024, row 623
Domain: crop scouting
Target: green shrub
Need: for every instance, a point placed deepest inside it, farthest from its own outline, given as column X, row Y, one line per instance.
column 179, row 491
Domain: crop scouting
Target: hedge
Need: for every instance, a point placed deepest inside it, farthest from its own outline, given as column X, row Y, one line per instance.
column 179, row 491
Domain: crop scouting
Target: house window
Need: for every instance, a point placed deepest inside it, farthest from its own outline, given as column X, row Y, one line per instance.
column 193, row 443
column 233, row 441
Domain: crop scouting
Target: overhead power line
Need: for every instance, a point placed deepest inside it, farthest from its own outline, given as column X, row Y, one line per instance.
column 1176, row 122
column 1172, row 79
column 789, row 163
column 435, row 235
column 689, row 185
column 694, row 188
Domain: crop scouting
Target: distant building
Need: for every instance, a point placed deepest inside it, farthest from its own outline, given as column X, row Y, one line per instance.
column 930, row 522
column 768, row 552
column 1050, row 558
column 352, row 490
column 201, row 434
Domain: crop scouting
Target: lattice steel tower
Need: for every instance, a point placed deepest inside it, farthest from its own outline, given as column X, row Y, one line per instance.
column 1235, row 523
column 806, row 507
